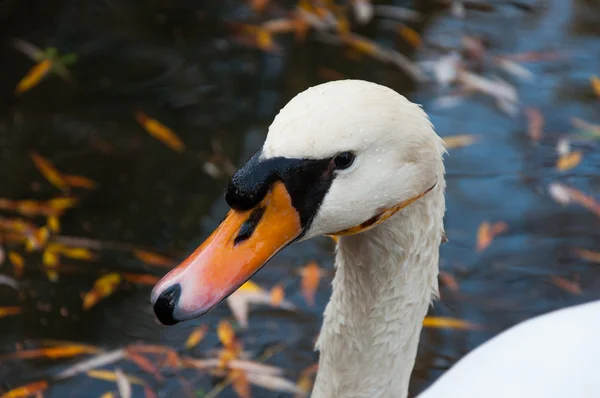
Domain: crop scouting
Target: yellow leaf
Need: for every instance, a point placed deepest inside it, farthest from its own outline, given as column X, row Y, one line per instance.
column 26, row 390
column 250, row 286
column 448, row 323
column 277, row 295
column 226, row 334
column 240, row 383
column 53, row 224
column 486, row 233
column 103, row 287
column 142, row 279
column 75, row 253
column 17, row 262
column 569, row 161
column 160, row 131
column 34, row 76
column 108, row 394
column 196, row 336
column 311, row 275
column 457, row 141
column 67, row 351
column 79, row 182
column 264, row 40
column 61, row 204
column 108, row 375
column 410, row 35
column 49, row 171
column 6, row 311
column 153, row 258
column 595, row 82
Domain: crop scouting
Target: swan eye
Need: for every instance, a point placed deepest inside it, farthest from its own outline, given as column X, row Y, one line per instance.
column 344, row 160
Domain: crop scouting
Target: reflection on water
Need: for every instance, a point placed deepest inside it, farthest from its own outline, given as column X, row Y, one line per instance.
column 179, row 63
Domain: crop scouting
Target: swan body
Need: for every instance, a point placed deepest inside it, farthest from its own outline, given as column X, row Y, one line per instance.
column 358, row 160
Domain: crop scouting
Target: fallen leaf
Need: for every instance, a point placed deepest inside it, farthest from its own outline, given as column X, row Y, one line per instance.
column 160, row 131
column 49, row 171
column 27, row 390
column 410, row 35
column 53, row 224
column 67, row 351
column 486, row 233
column 311, row 275
column 75, row 253
column 448, row 323
column 449, row 281
column 153, row 258
column 6, row 311
column 593, row 129
column 595, row 82
column 196, row 336
column 143, row 363
column 259, row 5
column 567, row 285
column 89, row 364
column 34, row 76
column 515, row 69
column 17, row 262
column 226, row 334
column 123, row 384
column 536, row 124
column 103, row 287
column 108, row 375
column 588, row 255
column 141, row 279
column 79, row 181
column 277, row 295
column 108, row 394
column 240, row 383
column 250, row 293
column 569, row 161
column 458, row 141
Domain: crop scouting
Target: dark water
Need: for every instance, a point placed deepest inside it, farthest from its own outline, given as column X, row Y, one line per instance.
column 177, row 61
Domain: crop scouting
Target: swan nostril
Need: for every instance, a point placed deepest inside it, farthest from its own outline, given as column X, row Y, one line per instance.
column 165, row 305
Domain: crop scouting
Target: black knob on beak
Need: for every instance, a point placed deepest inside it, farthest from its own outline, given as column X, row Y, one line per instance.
column 165, row 305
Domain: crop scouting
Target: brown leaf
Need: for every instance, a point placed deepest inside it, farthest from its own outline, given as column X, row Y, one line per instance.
column 226, row 334
column 536, row 124
column 6, row 311
column 153, row 258
column 143, row 363
column 311, row 275
column 259, row 5
column 141, row 279
column 17, row 262
column 410, row 35
column 196, row 336
column 79, row 181
column 569, row 161
column 277, row 294
column 595, row 82
column 49, row 171
column 567, row 285
column 160, row 131
column 240, row 384
column 448, row 323
column 588, row 255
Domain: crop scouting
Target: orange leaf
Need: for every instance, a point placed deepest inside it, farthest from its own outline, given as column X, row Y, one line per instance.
column 67, row 351
column 250, row 286
column 240, row 383
column 595, row 82
column 588, row 255
column 149, row 393
column 410, row 35
column 103, row 287
column 53, row 224
column 259, row 5
column 143, row 363
column 536, row 123
column 569, row 161
column 27, row 390
column 458, row 141
column 226, row 334
column 75, row 253
column 196, row 336
column 449, row 281
column 486, row 233
column 264, row 40
column 160, row 131
column 17, row 262
column 79, row 182
column 34, row 76
column 6, row 311
column 311, row 275
column 153, row 258
column 108, row 375
column 277, row 295
column 567, row 285
column 49, row 171
column 62, row 204
column 142, row 279
column 363, row 46
column 448, row 323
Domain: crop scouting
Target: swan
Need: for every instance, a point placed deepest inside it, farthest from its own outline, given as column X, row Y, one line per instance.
column 358, row 161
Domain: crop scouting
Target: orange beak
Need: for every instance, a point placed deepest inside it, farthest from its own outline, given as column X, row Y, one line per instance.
column 238, row 248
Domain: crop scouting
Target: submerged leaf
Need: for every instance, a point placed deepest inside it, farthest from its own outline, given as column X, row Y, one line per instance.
column 6, row 311
column 123, row 384
column 486, row 233
column 311, row 275
column 143, row 363
column 239, row 380
column 448, row 323
column 226, row 334
column 17, row 262
column 103, row 287
column 588, row 255
column 49, row 171
column 34, row 76
column 569, row 161
column 196, row 336
column 153, row 258
column 160, row 131
column 79, row 181
column 410, row 35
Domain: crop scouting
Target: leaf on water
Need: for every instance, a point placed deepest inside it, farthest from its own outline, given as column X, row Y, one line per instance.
column 53, row 224
column 410, row 35
column 67, row 351
column 141, row 279
column 49, row 171
column 569, row 161
column 153, row 258
column 79, row 181
column 123, row 384
column 34, row 76
column 108, row 375
column 250, row 293
column 536, row 123
column 595, row 82
column 273, row 383
column 27, row 390
column 17, row 262
column 7, row 311
column 311, row 275
column 590, row 128
column 304, row 384
column 566, row 285
column 277, row 295
column 250, row 286
column 564, row 195
column 449, row 281
column 448, row 323
column 160, row 131
column 264, row 40
column 259, row 5
column 2, row 254
column 458, row 141
column 149, row 393
column 108, row 394
column 61, row 204
column 75, row 253
column 486, row 233
column 143, row 363
column 103, row 287
column 239, row 381
column 90, row 363
column 588, row 255
column 226, row 334
column 196, row 336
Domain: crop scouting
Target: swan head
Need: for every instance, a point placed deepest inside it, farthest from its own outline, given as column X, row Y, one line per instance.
column 338, row 159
